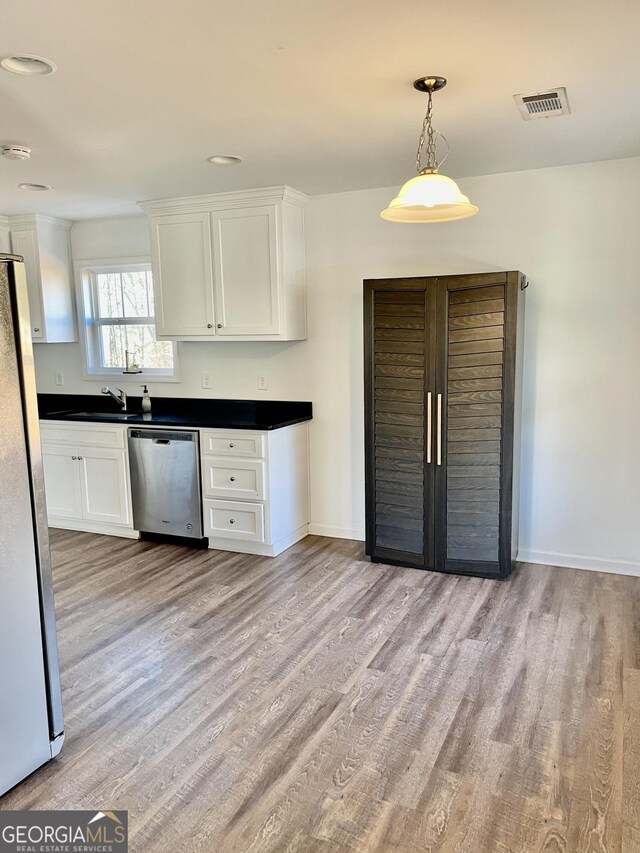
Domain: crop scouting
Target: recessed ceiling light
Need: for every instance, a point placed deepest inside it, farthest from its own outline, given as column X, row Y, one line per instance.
column 36, row 188
column 27, row 63
column 224, row 159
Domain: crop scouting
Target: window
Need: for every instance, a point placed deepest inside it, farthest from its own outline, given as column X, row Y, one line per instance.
column 120, row 322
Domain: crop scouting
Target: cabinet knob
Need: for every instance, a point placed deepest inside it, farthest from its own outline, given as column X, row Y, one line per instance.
column 232, row 521
column 231, row 444
column 74, row 458
column 80, row 458
column 232, row 479
column 209, row 325
column 36, row 330
column 219, row 325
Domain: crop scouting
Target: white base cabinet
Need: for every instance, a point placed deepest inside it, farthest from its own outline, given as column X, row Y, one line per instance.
column 255, row 488
column 86, row 472
column 255, row 484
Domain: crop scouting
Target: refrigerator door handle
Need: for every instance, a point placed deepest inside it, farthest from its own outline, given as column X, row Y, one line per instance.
column 439, row 432
column 429, row 415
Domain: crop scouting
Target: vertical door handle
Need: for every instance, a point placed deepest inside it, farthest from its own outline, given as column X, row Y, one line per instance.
column 429, row 428
column 439, row 432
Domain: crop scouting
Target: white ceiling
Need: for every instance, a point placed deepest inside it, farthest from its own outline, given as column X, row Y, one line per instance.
column 317, row 95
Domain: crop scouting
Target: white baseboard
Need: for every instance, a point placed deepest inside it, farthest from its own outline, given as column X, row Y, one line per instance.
column 335, row 532
column 220, row 543
column 576, row 561
column 94, row 527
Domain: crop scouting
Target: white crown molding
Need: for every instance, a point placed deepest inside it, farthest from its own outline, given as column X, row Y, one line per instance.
column 224, row 201
column 38, row 219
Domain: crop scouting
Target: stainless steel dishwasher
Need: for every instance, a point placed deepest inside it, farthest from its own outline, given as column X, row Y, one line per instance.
column 165, row 481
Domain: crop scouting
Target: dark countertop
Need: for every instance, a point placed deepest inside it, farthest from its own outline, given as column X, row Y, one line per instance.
column 176, row 411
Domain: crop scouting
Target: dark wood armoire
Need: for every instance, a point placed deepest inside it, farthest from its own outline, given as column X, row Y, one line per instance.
column 443, row 367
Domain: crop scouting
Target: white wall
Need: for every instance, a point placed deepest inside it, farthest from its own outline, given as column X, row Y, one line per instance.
column 573, row 230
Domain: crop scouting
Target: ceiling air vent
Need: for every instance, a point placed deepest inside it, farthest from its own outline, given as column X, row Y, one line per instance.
column 554, row 102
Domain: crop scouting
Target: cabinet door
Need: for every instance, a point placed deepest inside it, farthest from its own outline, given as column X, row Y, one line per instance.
column 399, row 328
column 62, row 482
column 471, row 481
column 245, row 250
column 24, row 243
column 105, row 486
column 182, row 275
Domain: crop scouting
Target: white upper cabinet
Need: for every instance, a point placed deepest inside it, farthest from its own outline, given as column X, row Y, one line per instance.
column 229, row 266
column 181, row 259
column 245, row 280
column 43, row 242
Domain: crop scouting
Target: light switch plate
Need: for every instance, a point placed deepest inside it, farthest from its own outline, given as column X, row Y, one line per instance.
column 263, row 380
column 206, row 379
column 59, row 377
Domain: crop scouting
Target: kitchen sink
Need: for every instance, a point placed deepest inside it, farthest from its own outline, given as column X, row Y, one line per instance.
column 112, row 416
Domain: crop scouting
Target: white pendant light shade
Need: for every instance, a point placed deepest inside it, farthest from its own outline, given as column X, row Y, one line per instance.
column 429, row 198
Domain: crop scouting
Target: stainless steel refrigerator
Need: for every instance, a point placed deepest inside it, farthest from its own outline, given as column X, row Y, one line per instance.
column 31, row 724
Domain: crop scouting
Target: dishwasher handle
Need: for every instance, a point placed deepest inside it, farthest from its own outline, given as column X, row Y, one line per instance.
column 161, row 436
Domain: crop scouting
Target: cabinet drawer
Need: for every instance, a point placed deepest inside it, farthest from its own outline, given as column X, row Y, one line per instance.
column 87, row 435
column 234, row 520
column 232, row 443
column 233, row 478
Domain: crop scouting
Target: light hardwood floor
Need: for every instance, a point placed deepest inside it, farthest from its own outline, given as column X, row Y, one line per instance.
column 317, row 702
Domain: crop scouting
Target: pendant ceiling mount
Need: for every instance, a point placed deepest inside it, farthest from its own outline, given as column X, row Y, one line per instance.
column 429, row 197
column 430, row 84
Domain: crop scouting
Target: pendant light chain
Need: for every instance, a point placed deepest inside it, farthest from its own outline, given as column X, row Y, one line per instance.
column 427, row 130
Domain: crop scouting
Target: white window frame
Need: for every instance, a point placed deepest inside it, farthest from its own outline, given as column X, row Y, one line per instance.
column 86, row 271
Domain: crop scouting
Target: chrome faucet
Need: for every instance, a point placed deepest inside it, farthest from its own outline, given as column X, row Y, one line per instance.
column 120, row 397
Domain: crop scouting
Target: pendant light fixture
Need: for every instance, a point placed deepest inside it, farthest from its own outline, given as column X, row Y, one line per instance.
column 430, row 196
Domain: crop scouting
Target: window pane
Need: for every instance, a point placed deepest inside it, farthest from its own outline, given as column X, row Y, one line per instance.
column 134, row 291
column 112, row 342
column 140, row 342
column 109, row 294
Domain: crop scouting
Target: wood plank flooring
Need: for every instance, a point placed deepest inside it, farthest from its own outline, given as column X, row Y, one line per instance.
column 317, row 702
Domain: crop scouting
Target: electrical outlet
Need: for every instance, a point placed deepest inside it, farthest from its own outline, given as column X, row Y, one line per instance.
column 263, row 381
column 206, row 379
column 59, row 375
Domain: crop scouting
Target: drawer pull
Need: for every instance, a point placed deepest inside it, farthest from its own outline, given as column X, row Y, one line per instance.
column 232, row 479
column 232, row 521
column 231, row 444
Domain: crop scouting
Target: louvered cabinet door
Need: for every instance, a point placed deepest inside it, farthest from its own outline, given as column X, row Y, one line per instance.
column 399, row 375
column 477, row 325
